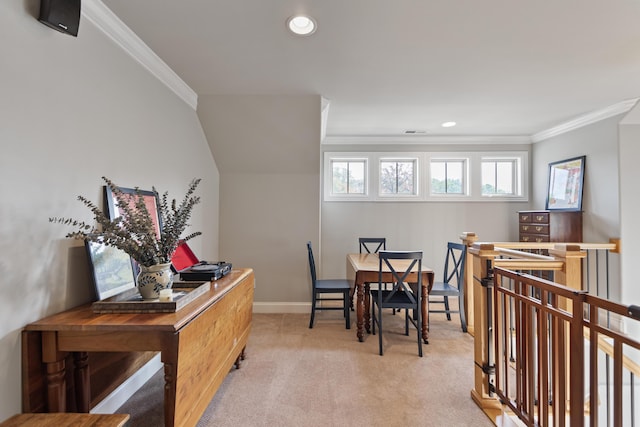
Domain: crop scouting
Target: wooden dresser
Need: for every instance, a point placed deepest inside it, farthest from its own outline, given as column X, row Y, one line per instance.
column 550, row 226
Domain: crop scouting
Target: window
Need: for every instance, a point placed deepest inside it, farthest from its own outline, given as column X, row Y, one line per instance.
column 500, row 177
column 398, row 177
column 348, row 176
column 448, row 176
column 425, row 176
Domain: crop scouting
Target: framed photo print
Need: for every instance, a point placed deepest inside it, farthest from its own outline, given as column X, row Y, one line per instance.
column 150, row 200
column 111, row 268
column 565, row 182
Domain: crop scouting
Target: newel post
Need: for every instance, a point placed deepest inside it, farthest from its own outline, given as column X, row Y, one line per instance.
column 571, row 256
column 468, row 239
column 482, row 284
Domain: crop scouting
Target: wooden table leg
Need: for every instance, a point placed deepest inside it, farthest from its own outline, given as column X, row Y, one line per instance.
column 367, row 307
column 170, row 371
column 425, row 314
column 56, row 375
column 360, row 311
column 82, row 381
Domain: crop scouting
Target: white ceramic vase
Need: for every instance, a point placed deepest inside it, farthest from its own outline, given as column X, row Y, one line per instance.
column 154, row 278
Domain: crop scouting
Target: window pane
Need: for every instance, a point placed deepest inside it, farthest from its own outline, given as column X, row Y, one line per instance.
column 397, row 177
column 348, row 177
column 504, row 179
column 438, row 178
column 454, row 177
column 405, row 178
column 388, row 184
column 488, row 178
column 356, row 177
column 340, row 175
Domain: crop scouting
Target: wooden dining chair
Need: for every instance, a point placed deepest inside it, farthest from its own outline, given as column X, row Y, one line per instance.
column 320, row 287
column 401, row 296
column 452, row 284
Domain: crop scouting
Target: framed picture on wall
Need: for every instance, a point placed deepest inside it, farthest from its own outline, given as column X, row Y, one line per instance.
column 564, row 184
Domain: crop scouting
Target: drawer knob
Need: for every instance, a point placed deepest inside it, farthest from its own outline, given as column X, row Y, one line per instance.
column 538, row 228
column 525, row 227
column 539, row 218
column 525, row 217
column 525, row 238
column 538, row 239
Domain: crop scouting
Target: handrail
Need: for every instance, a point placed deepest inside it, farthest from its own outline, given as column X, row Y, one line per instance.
column 612, row 246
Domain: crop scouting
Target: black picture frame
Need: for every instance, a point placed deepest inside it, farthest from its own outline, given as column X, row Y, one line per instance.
column 151, row 199
column 111, row 268
column 565, row 182
column 152, row 202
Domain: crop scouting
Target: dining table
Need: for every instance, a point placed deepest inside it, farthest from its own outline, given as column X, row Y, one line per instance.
column 363, row 269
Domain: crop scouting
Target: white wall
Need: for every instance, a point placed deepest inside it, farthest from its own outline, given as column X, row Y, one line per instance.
column 601, row 196
column 268, row 152
column 72, row 110
column 630, row 210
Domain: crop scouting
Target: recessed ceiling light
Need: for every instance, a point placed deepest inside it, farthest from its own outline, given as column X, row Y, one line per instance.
column 301, row 25
column 448, row 124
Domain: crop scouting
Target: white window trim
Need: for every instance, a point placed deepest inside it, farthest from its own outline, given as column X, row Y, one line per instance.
column 328, row 176
column 451, row 157
column 399, row 157
column 521, row 178
column 423, row 176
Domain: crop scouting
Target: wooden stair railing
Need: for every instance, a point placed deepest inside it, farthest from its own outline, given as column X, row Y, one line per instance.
column 565, row 260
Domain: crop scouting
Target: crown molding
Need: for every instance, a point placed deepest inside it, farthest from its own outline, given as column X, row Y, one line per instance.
column 586, row 119
column 325, row 103
column 424, row 139
column 106, row 21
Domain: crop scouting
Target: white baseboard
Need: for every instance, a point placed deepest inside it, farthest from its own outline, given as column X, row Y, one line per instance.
column 120, row 395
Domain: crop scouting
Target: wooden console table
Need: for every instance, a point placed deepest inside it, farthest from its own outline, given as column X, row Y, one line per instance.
column 198, row 344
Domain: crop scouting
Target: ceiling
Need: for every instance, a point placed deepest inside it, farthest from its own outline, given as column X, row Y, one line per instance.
column 496, row 67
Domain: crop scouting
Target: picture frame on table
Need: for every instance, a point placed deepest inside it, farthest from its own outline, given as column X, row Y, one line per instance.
column 111, row 268
column 565, row 184
column 151, row 201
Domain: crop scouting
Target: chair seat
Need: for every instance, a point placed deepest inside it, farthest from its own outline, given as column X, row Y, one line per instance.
column 332, row 284
column 397, row 300
column 441, row 288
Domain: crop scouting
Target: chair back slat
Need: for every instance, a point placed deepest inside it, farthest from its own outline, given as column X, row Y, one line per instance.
column 372, row 244
column 312, row 265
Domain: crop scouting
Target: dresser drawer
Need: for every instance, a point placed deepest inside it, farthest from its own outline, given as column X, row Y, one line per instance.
column 534, row 228
column 540, row 217
column 525, row 217
column 535, row 238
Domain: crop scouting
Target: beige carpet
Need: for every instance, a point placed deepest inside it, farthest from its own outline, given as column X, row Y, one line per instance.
column 296, row 376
